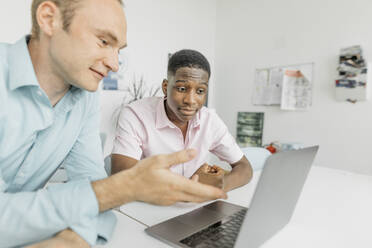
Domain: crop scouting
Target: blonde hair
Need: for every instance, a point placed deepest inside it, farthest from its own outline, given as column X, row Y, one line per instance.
column 67, row 8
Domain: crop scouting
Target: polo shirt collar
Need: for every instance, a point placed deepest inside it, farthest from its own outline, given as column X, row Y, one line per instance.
column 162, row 119
column 21, row 70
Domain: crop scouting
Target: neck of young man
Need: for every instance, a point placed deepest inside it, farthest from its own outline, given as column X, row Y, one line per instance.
column 54, row 87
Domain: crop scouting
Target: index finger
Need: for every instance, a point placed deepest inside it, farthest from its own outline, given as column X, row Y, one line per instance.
column 177, row 157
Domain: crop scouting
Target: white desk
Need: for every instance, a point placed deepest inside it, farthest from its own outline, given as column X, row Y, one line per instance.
column 129, row 233
column 334, row 210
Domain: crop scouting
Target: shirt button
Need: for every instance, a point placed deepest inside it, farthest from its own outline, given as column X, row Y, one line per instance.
column 21, row 174
column 39, row 92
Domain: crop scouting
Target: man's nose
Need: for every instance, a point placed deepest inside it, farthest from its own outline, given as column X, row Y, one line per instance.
column 190, row 97
column 112, row 61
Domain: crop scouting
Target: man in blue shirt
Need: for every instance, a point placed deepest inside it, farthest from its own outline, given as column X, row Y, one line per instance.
column 49, row 115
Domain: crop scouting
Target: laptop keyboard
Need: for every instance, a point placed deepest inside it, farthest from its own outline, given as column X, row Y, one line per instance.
column 219, row 234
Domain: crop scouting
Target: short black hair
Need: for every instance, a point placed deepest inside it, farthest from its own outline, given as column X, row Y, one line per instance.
column 188, row 58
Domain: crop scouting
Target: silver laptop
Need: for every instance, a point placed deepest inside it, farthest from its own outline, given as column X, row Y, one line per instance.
column 222, row 224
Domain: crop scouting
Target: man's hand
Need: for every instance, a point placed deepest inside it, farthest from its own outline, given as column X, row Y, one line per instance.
column 211, row 175
column 65, row 239
column 150, row 180
column 162, row 187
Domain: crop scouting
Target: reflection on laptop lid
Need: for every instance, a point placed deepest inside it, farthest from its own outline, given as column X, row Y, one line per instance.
column 219, row 223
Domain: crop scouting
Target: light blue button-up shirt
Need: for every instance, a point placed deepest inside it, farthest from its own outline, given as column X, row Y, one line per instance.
column 35, row 139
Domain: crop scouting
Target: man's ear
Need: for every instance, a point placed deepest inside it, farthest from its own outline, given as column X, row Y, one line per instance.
column 48, row 17
column 164, row 86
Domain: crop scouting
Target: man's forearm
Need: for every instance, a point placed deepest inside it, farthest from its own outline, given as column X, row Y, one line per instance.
column 240, row 175
column 114, row 191
column 120, row 162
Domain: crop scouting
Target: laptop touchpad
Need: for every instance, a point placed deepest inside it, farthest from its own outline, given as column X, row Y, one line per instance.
column 201, row 217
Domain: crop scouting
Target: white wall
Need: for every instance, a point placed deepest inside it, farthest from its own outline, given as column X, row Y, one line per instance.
column 15, row 20
column 260, row 33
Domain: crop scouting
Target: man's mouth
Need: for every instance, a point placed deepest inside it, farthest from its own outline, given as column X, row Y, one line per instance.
column 98, row 74
column 187, row 111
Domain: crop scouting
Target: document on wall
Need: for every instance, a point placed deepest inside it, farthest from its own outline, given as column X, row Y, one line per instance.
column 268, row 86
column 297, row 91
column 287, row 86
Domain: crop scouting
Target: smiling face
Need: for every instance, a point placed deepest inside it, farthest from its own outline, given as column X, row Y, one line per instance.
column 186, row 93
column 85, row 53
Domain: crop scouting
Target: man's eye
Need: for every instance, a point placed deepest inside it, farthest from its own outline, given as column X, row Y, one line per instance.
column 181, row 89
column 104, row 42
column 200, row 91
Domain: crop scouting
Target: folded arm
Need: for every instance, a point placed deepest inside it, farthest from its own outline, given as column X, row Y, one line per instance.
column 120, row 162
column 65, row 239
column 240, row 174
column 226, row 149
column 28, row 217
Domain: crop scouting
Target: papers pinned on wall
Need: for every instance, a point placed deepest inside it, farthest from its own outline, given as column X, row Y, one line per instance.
column 296, row 91
column 287, row 86
column 268, row 86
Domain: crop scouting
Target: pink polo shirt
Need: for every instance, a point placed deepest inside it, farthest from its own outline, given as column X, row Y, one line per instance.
column 144, row 130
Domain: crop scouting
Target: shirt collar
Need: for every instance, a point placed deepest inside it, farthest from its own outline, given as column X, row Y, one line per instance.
column 21, row 70
column 163, row 121
column 69, row 100
column 22, row 73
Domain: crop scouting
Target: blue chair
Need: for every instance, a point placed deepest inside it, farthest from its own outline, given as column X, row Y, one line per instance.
column 256, row 156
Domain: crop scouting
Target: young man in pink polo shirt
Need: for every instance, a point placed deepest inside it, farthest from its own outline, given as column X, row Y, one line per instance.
column 159, row 125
